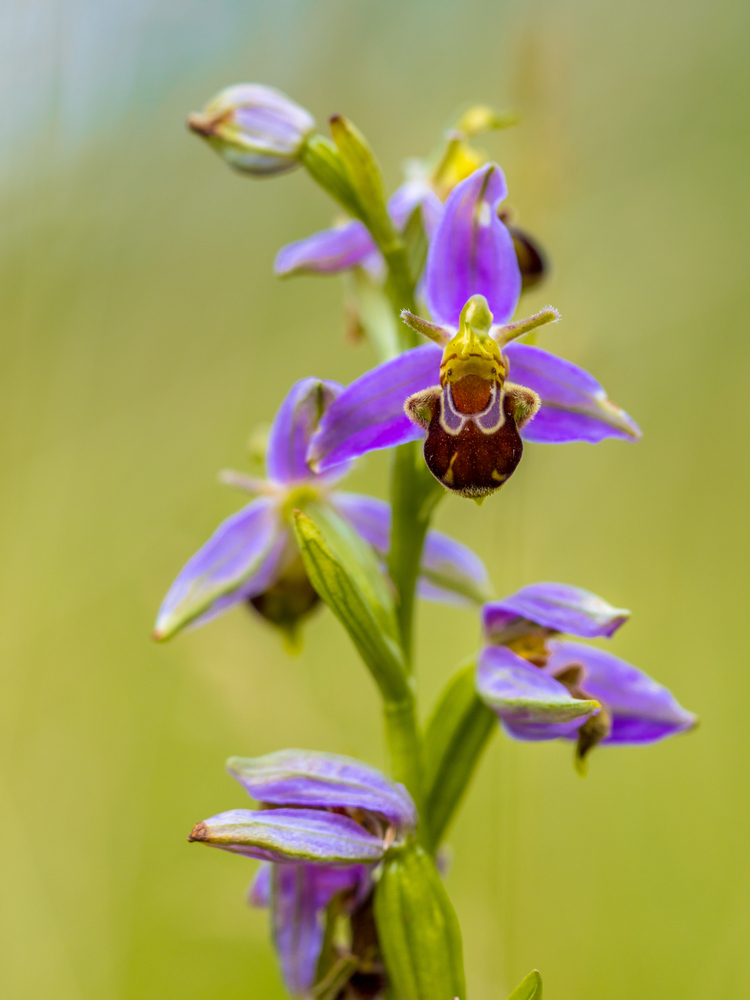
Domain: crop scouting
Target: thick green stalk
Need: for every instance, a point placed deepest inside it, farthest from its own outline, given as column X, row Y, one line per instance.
column 414, row 494
column 404, row 741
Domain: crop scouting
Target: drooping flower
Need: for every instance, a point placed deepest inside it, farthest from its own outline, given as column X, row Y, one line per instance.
column 258, row 130
column 253, row 557
column 324, row 821
column 427, row 185
column 544, row 688
column 472, row 286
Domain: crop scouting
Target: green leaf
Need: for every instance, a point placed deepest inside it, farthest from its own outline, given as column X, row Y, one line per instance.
column 457, row 733
column 350, row 590
column 418, row 929
column 529, row 988
column 324, row 164
column 366, row 179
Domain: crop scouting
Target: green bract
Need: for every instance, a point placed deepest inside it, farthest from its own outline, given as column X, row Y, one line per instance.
column 418, row 929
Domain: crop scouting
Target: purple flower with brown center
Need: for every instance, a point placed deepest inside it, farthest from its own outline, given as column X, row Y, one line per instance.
column 324, row 821
column 253, row 558
column 458, row 391
column 543, row 688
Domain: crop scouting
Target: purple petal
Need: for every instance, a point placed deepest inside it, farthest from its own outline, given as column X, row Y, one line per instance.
column 326, row 252
column 369, row 413
column 259, row 893
column 290, row 835
column 297, row 924
column 575, row 407
column 293, row 427
column 416, row 192
column 322, row 780
column 472, row 252
column 643, row 711
column 453, row 571
column 556, row 606
column 238, row 549
column 300, row 895
column 528, row 705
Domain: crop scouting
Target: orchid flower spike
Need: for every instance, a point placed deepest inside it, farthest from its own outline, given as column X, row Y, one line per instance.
column 545, row 688
column 252, row 557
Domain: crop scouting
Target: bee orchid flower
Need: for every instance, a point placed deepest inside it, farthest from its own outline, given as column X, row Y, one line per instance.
column 459, row 385
column 252, row 557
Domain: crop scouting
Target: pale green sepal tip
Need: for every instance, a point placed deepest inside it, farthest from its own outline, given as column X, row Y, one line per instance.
column 529, row 988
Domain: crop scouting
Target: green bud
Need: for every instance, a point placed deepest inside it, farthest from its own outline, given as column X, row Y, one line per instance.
column 418, row 929
column 529, row 988
column 322, row 161
column 336, row 564
column 366, row 179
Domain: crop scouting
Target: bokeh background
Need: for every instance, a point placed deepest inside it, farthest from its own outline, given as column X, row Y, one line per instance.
column 143, row 336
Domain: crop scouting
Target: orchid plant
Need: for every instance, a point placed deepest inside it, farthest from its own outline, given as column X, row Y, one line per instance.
column 350, row 858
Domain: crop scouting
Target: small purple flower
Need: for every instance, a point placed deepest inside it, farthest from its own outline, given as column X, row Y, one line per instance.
column 253, row 557
column 543, row 688
column 324, row 821
column 472, row 287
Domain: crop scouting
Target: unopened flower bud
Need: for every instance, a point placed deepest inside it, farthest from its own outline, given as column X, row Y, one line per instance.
column 256, row 129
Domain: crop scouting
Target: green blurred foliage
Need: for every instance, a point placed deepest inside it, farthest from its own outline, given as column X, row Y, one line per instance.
column 144, row 336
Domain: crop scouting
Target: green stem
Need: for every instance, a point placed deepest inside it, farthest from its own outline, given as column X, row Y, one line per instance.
column 414, row 494
column 404, row 741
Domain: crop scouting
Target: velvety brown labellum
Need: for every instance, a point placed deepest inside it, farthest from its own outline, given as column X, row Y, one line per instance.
column 472, row 462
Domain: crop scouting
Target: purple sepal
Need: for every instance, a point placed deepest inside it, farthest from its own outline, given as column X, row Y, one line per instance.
column 299, row 896
column 472, row 252
column 237, row 550
column 268, row 118
column 265, row 576
column 259, row 890
column 642, row 710
column 530, row 703
column 327, row 252
column 294, row 426
column 291, row 836
column 370, row 518
column 574, row 407
column 406, row 198
column 369, row 413
column 556, row 606
column 323, row 781
column 451, row 573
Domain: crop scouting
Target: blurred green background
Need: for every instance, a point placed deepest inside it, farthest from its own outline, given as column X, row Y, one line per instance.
column 144, row 336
